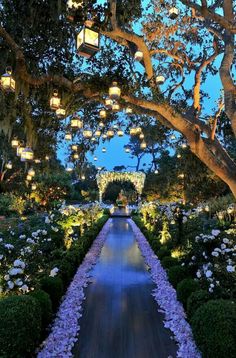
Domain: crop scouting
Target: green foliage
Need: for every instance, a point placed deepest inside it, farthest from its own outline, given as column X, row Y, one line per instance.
column 185, row 288
column 163, row 252
column 20, row 326
column 11, row 204
column 168, row 262
column 214, row 329
column 176, row 274
column 45, row 302
column 54, row 287
column 195, row 300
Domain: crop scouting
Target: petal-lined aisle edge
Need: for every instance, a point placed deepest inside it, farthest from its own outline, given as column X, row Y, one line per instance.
column 165, row 296
column 65, row 328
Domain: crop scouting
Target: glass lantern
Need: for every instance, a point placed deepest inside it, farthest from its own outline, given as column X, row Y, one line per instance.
column 172, row 137
column 97, row 133
column 108, row 103
column 114, row 91
column 138, row 56
column 173, row 13
column 68, row 136
column 19, row 151
column 160, row 80
column 138, row 130
column 181, row 176
column 120, row 133
column 76, row 123
column 33, row 187
column 27, row 154
column 93, row 139
column 143, row 145
column 9, row 165
column 37, row 161
column 128, row 110
column 104, row 150
column 31, row 172
column 29, row 177
column 95, row 158
column 47, row 158
column 15, row 143
column 60, row 112
column 76, row 156
column 133, row 131
column 115, row 107
column 184, row 146
column 74, row 5
column 55, row 101
column 82, row 177
column 110, row 133
column 8, row 84
column 156, row 171
column 103, row 114
column 127, row 149
column 87, row 133
column 69, row 167
column 141, row 136
column 74, row 147
column 104, row 136
column 88, row 42
column 178, row 156
column 101, row 124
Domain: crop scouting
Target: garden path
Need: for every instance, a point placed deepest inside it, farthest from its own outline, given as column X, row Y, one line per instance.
column 120, row 317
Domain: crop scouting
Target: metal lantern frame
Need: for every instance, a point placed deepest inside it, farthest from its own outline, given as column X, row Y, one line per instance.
column 55, row 100
column 8, row 84
column 114, row 91
column 84, row 47
column 76, row 123
column 27, row 154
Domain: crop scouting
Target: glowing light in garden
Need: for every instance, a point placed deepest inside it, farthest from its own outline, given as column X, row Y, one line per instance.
column 114, row 91
column 138, row 56
column 55, row 101
column 8, row 84
column 88, row 42
column 27, row 154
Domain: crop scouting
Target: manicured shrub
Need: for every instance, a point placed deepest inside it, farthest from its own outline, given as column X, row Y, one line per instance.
column 66, row 271
column 168, row 262
column 214, row 329
column 176, row 274
column 185, row 288
column 20, row 326
column 195, row 300
column 54, row 287
column 45, row 302
column 163, row 252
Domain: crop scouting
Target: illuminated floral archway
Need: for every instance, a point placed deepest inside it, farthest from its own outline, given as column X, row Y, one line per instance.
column 103, row 179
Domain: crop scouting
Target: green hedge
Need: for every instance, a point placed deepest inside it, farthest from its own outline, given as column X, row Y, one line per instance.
column 185, row 288
column 20, row 326
column 45, row 302
column 214, row 329
column 176, row 274
column 168, row 262
column 54, row 287
column 195, row 300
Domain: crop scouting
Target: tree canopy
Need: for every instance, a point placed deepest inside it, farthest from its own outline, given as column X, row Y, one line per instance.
column 171, row 82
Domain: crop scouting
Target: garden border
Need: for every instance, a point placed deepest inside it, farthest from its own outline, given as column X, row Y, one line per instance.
column 64, row 333
column 165, row 295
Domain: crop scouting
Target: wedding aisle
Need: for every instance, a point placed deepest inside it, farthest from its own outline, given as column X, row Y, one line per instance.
column 120, row 318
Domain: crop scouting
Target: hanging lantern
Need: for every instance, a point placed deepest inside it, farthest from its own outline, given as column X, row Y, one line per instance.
column 60, row 112
column 128, row 110
column 173, row 13
column 127, row 149
column 93, row 139
column 87, row 133
column 76, row 156
column 104, row 136
column 82, row 177
column 181, row 176
column 88, row 42
column 69, row 167
column 97, row 133
column 37, row 161
column 115, row 107
column 27, row 154
column 15, row 143
column 172, row 137
column 99, row 168
column 33, row 187
column 120, row 133
column 28, row 177
column 156, row 171
column 9, row 165
column 74, row 147
column 95, row 158
column 46, row 157
column 143, row 145
column 178, row 156
column 74, row 5
column 104, row 150
column 141, row 136
column 108, row 103
column 101, row 124
column 8, row 84
column 133, row 131
column 110, row 133
column 138, row 130
column 76, row 123
column 31, row 172
column 55, row 101
column 68, row 136
column 103, row 114
column 160, row 80
column 184, row 146
column 114, row 91
column 138, row 56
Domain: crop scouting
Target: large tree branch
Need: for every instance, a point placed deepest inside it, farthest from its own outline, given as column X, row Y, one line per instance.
column 207, row 13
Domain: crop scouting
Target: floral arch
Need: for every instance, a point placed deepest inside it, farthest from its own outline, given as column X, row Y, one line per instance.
column 103, row 179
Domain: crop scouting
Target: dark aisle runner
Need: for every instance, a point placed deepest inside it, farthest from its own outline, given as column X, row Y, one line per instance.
column 120, row 317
